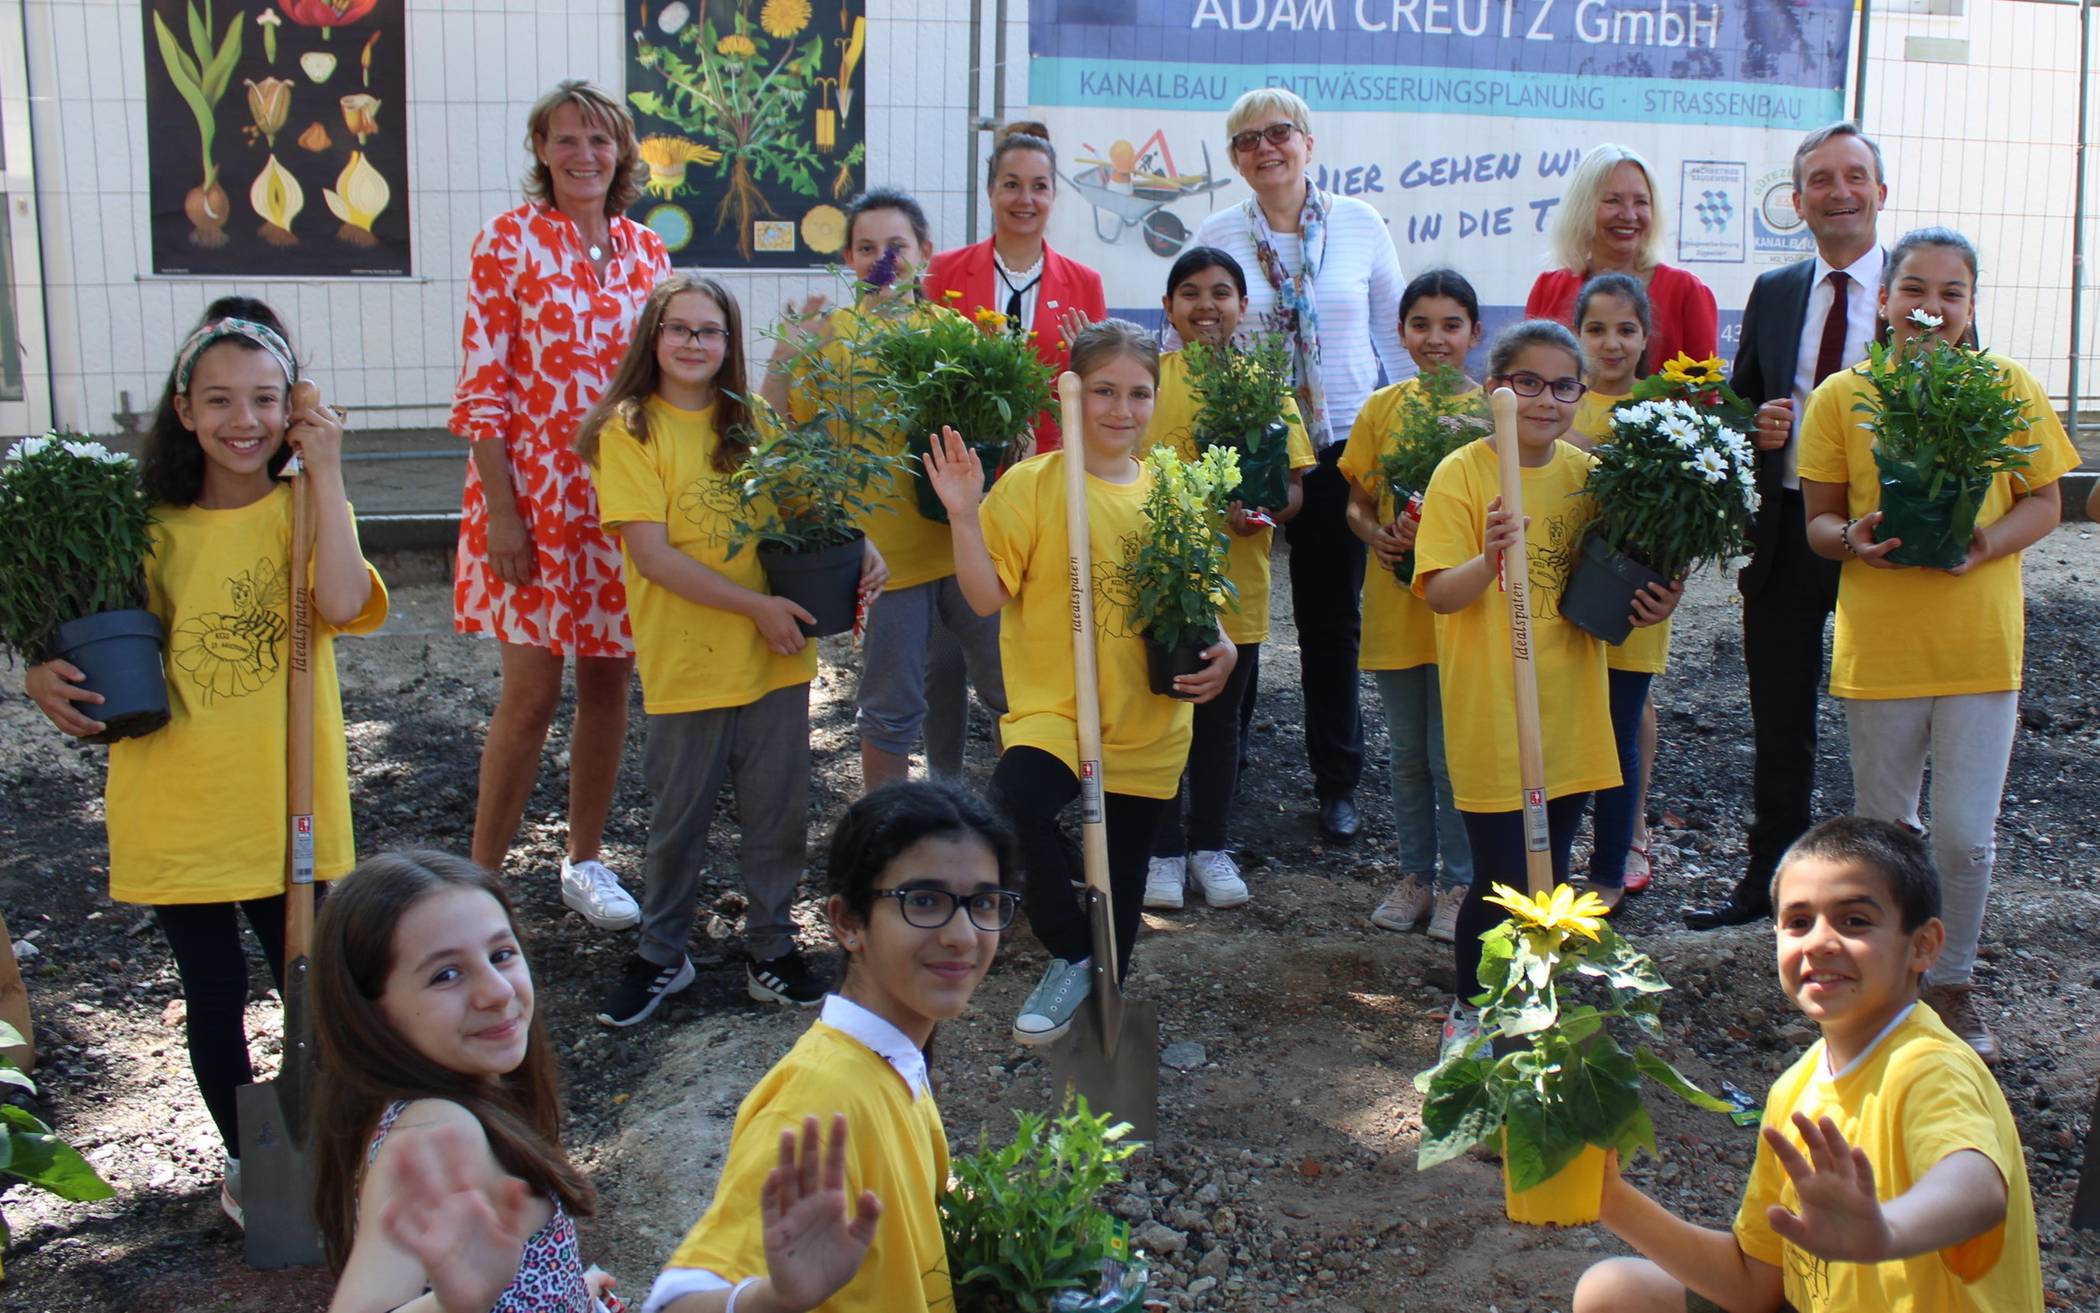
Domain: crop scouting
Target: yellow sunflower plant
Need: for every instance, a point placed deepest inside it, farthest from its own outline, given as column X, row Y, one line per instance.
column 1545, row 1077
column 1702, row 383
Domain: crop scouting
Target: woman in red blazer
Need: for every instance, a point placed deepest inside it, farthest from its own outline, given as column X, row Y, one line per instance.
column 1014, row 270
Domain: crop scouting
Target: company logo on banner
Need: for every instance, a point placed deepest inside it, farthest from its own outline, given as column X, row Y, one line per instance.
column 1458, row 120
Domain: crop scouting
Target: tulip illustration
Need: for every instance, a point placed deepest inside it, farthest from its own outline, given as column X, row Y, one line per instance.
column 270, row 103
column 327, row 14
column 277, row 198
column 360, row 194
column 361, row 115
column 200, row 75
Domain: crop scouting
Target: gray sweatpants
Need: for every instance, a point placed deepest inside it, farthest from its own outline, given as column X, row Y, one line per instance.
column 761, row 747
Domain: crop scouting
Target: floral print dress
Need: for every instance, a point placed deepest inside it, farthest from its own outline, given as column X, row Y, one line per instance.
column 543, row 336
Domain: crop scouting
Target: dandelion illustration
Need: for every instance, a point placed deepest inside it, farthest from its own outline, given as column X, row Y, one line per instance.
column 784, row 18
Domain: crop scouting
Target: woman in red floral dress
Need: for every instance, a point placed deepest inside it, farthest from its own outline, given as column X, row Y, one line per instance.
column 552, row 298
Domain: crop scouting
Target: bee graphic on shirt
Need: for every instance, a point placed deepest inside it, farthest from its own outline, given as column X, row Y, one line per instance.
column 234, row 653
column 1550, row 549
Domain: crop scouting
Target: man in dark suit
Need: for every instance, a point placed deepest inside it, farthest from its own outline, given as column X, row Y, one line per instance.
column 1803, row 322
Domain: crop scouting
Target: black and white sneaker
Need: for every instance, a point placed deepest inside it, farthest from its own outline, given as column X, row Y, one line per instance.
column 643, row 985
column 784, row 979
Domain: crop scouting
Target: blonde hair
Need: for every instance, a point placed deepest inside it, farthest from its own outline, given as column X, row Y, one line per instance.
column 1265, row 102
column 599, row 110
column 1575, row 223
column 1108, row 339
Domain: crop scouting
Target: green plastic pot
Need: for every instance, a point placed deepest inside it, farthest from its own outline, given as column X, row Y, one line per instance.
column 1265, row 464
column 1935, row 529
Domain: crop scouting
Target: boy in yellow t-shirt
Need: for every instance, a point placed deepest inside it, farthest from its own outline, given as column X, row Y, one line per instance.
column 1889, row 1176
column 1950, row 696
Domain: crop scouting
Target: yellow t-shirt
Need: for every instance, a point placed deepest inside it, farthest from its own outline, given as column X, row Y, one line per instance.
column 1918, row 1096
column 691, row 657
column 1144, row 735
column 1647, row 649
column 216, row 580
column 895, row 1147
column 1978, row 620
column 1474, row 667
column 917, row 549
column 1399, row 628
column 1246, row 559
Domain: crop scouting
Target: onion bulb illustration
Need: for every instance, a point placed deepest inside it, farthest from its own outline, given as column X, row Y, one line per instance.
column 277, row 198
column 359, row 195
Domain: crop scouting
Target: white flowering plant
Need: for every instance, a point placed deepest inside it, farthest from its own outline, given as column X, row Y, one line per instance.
column 1178, row 572
column 75, row 528
column 1675, row 487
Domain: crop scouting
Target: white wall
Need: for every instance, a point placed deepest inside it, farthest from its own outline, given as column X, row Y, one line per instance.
column 388, row 348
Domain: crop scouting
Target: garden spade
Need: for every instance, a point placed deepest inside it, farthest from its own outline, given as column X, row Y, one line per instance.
column 1516, row 585
column 276, row 1157
column 1110, row 1056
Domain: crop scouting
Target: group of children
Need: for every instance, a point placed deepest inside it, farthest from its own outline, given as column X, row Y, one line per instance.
column 443, row 1181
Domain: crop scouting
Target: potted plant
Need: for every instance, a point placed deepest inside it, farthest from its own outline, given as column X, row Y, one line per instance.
column 30, row 1152
column 1240, row 390
column 1943, row 418
column 1436, row 418
column 1675, row 486
column 75, row 529
column 801, row 493
column 1024, row 1227
column 979, row 376
column 1545, row 1078
column 1178, row 578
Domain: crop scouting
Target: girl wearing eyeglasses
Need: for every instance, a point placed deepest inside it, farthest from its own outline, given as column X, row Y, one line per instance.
column 725, row 668
column 1458, row 562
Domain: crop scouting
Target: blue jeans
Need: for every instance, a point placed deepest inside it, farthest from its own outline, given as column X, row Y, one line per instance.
column 1424, row 819
column 1618, row 810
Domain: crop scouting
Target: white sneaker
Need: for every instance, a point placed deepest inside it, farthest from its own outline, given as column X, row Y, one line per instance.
column 1163, row 881
column 591, row 888
column 1218, row 876
column 230, row 1193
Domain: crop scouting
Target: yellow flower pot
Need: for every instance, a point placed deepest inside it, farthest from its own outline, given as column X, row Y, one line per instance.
column 1570, row 1198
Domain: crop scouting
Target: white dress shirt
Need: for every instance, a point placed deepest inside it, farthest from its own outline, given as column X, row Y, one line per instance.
column 1860, row 323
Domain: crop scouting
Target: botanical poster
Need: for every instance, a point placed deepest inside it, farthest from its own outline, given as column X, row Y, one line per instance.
column 277, row 136
column 753, row 124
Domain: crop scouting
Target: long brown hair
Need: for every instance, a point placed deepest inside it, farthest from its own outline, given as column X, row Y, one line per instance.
column 639, row 376
column 365, row 1064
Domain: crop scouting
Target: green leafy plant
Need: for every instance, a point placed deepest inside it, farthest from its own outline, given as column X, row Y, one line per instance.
column 1674, row 487
column 1240, row 391
column 743, row 92
column 1178, row 573
column 1943, row 418
column 1700, row 383
column 981, row 376
column 1433, row 420
column 1565, row 1084
column 200, row 76
column 31, row 1152
column 1023, row 1224
column 75, row 528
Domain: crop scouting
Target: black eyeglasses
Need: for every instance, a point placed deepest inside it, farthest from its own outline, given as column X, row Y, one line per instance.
column 1275, row 134
column 1527, row 384
column 930, row 909
column 707, row 334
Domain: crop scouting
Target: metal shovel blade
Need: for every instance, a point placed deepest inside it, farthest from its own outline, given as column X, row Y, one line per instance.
column 1110, row 1056
column 277, row 1169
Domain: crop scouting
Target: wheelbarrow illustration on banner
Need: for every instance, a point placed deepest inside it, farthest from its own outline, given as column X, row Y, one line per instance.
column 1133, row 187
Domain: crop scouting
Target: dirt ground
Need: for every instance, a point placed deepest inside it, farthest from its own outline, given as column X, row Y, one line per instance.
column 1285, row 1175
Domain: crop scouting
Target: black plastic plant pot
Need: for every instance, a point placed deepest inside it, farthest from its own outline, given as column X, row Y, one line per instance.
column 120, row 653
column 1935, row 530
column 991, row 454
column 1164, row 664
column 1598, row 598
column 824, row 582
column 1265, row 466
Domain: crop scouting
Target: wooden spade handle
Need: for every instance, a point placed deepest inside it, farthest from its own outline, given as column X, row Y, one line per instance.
column 299, row 732
column 1516, row 583
column 1086, row 685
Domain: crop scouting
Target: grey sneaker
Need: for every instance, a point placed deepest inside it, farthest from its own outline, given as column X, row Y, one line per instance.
column 1164, row 878
column 1404, row 908
column 1443, row 921
column 591, row 888
column 1049, row 1010
column 1218, row 876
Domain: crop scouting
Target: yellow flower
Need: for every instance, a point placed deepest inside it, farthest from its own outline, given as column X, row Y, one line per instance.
column 736, row 46
column 951, row 294
column 990, row 320
column 1561, row 909
column 1681, row 368
column 360, row 193
column 667, row 158
column 784, row 18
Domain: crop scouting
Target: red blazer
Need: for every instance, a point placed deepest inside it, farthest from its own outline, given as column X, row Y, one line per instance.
column 1686, row 318
column 1066, row 284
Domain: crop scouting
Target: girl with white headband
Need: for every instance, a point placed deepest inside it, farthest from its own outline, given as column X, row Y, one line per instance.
column 217, row 581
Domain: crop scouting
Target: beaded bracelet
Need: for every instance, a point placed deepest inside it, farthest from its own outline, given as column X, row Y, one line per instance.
column 1846, row 537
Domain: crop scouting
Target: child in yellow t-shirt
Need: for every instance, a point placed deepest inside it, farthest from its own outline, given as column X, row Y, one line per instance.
column 888, row 243
column 1458, row 559
column 921, row 883
column 217, row 581
column 1889, row 1174
column 1613, row 320
column 1927, row 662
column 1439, row 325
column 725, row 668
column 1012, row 551
column 1206, row 296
